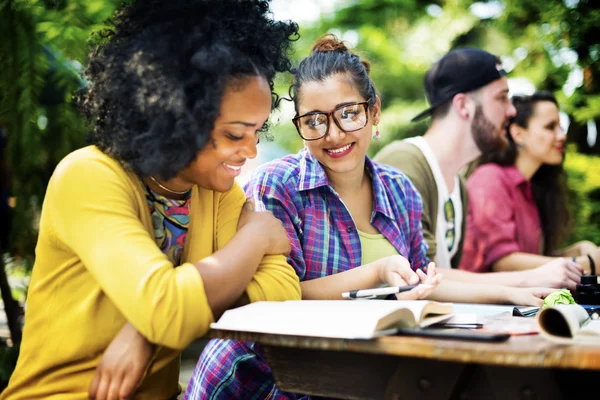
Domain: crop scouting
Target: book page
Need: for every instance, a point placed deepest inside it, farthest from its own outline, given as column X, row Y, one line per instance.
column 428, row 312
column 321, row 318
column 486, row 310
column 463, row 320
column 515, row 326
column 472, row 316
column 592, row 330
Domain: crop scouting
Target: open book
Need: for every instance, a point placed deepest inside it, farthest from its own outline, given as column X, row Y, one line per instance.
column 362, row 319
column 568, row 323
column 463, row 321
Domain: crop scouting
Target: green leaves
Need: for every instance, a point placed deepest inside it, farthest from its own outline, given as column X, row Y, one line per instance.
column 561, row 39
column 551, row 44
column 42, row 42
column 583, row 172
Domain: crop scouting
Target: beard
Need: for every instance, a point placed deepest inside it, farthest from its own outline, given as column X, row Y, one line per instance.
column 487, row 137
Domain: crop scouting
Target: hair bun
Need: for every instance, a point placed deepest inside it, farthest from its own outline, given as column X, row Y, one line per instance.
column 329, row 42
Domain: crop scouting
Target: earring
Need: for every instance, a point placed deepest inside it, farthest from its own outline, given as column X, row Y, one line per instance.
column 520, row 146
column 377, row 134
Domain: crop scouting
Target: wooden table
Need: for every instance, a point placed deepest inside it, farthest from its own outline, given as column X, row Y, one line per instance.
column 399, row 367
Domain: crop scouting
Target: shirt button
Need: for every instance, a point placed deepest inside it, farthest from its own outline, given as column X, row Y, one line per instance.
column 349, row 229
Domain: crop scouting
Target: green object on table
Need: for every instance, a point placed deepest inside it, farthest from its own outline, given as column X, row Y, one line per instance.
column 560, row 296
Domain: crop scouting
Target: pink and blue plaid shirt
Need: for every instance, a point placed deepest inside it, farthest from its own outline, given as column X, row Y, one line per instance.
column 324, row 241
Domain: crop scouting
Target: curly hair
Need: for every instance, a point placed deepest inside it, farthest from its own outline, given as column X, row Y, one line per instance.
column 548, row 184
column 157, row 80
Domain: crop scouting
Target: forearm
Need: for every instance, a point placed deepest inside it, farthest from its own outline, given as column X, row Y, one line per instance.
column 582, row 248
column 461, row 292
column 527, row 261
column 241, row 301
column 519, row 262
column 331, row 287
column 508, row 278
column 571, row 251
column 227, row 272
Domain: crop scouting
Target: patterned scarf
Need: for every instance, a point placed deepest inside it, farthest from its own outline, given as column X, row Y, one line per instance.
column 170, row 219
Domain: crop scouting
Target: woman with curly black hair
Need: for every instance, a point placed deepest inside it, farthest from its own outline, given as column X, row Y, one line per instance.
column 178, row 93
column 518, row 218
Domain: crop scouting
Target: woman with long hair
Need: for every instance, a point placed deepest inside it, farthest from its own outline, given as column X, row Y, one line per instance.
column 518, row 216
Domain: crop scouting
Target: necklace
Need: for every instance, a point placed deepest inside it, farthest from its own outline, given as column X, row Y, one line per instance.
column 167, row 189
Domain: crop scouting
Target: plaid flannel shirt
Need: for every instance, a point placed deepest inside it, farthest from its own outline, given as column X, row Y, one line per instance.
column 324, row 241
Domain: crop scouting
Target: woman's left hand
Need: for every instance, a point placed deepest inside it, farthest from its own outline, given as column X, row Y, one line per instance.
column 122, row 367
column 431, row 278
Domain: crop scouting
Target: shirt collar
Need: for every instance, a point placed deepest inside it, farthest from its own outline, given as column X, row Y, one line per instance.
column 381, row 199
column 312, row 175
column 515, row 177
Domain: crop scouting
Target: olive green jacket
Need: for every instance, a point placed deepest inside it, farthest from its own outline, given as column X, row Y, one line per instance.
column 410, row 160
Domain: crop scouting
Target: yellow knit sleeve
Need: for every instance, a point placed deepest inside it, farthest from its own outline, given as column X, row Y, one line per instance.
column 94, row 213
column 274, row 279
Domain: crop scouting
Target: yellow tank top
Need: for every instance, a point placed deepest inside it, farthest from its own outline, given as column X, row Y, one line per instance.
column 374, row 247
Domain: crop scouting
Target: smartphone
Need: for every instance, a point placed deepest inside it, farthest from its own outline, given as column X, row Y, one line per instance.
column 457, row 334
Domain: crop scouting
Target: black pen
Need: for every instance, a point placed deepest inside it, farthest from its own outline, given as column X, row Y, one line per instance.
column 370, row 293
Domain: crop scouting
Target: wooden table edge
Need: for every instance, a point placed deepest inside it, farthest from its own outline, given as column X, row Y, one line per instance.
column 519, row 351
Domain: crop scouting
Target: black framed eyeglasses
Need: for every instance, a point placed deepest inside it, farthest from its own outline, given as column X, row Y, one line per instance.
column 449, row 214
column 347, row 117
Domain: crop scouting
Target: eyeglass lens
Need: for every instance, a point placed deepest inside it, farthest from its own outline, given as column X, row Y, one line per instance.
column 348, row 118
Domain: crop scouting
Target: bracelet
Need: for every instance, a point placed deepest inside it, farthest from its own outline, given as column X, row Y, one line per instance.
column 592, row 265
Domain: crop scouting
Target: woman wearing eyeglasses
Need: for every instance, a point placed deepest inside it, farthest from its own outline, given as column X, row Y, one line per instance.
column 352, row 223
column 518, row 217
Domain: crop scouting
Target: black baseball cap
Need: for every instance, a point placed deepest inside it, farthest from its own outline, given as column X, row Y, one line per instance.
column 459, row 71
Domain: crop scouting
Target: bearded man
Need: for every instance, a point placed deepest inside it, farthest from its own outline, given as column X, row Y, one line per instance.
column 470, row 110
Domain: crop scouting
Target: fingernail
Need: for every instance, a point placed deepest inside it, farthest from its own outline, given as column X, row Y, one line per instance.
column 414, row 280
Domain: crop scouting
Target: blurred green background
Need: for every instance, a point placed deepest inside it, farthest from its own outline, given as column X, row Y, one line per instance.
column 550, row 45
column 544, row 44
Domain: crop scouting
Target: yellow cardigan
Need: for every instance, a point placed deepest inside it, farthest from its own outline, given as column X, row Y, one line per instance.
column 98, row 266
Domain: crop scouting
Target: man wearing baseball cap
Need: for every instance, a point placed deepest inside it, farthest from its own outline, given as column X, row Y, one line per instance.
column 470, row 110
